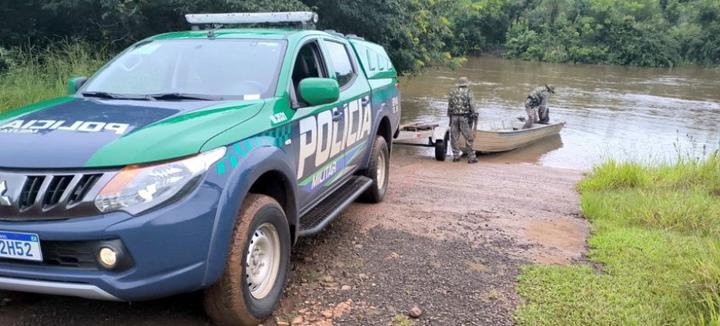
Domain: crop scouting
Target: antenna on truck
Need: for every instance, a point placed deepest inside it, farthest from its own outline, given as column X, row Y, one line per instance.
column 305, row 19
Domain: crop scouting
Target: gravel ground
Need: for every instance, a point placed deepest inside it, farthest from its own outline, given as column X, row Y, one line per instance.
column 446, row 245
column 381, row 274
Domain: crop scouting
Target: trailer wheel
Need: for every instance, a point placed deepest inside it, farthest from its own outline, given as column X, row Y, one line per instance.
column 441, row 148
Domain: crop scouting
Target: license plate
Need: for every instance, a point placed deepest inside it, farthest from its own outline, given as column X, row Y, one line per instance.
column 24, row 246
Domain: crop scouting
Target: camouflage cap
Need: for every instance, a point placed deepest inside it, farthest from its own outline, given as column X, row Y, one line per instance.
column 550, row 88
column 462, row 82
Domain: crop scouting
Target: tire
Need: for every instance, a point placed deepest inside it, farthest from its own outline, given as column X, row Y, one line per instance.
column 441, row 147
column 239, row 298
column 378, row 171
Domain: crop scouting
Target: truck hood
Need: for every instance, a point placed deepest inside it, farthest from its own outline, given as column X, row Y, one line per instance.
column 89, row 133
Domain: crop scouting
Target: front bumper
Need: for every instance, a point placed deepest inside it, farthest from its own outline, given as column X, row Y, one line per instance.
column 57, row 288
column 169, row 249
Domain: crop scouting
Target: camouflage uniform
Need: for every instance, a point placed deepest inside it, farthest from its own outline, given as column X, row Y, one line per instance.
column 536, row 105
column 461, row 112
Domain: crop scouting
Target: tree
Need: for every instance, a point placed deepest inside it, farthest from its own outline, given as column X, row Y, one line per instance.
column 413, row 31
column 417, row 33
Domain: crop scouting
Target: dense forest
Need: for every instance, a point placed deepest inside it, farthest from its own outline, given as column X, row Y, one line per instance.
column 419, row 33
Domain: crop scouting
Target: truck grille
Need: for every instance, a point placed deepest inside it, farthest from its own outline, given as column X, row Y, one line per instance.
column 42, row 196
column 30, row 192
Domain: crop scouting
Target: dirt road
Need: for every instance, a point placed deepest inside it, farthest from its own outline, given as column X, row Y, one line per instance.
column 449, row 239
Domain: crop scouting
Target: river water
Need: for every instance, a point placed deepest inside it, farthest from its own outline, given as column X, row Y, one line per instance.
column 623, row 113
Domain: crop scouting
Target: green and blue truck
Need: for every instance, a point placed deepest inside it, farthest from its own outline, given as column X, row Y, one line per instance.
column 194, row 161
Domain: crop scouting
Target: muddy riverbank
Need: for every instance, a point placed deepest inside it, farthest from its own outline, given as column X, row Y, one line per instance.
column 449, row 239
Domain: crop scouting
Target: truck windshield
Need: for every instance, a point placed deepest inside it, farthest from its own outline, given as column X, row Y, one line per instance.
column 197, row 69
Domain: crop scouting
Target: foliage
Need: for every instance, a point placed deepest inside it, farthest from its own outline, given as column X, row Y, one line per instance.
column 36, row 74
column 655, row 249
column 480, row 24
column 117, row 22
column 418, row 33
column 413, row 31
column 637, row 32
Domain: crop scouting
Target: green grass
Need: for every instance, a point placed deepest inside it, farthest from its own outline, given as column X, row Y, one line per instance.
column 655, row 251
column 36, row 74
column 401, row 320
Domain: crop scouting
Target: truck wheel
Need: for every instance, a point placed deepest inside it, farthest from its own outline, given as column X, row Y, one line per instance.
column 254, row 277
column 378, row 171
column 441, row 147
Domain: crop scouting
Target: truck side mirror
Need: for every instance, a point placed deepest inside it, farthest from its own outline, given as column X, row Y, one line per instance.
column 319, row 91
column 74, row 84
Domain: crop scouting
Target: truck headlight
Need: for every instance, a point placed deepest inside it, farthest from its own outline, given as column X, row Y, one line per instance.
column 138, row 188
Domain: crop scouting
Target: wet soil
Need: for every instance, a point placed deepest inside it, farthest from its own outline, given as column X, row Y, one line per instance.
column 448, row 241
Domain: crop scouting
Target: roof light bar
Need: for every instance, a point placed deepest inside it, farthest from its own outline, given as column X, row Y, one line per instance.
column 302, row 17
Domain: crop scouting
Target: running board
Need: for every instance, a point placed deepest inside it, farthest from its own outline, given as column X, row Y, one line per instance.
column 319, row 217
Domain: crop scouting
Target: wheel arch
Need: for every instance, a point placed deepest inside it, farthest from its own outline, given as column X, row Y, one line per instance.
column 275, row 184
column 266, row 171
column 385, row 130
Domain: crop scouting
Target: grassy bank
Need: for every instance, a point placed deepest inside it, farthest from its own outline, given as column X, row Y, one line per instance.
column 32, row 74
column 654, row 252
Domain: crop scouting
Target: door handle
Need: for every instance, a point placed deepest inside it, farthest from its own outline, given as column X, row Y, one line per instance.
column 337, row 115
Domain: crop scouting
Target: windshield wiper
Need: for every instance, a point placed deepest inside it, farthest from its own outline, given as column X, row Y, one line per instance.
column 111, row 96
column 181, row 97
column 100, row 95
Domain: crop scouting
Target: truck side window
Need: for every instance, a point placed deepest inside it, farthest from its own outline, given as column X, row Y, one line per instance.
column 370, row 61
column 344, row 70
column 309, row 64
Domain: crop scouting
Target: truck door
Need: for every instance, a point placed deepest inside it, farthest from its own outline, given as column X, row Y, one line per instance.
column 358, row 116
column 324, row 137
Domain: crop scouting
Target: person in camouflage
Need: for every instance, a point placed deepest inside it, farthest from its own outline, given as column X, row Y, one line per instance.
column 536, row 106
column 462, row 115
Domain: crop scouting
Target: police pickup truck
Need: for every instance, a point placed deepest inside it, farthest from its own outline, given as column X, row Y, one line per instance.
column 193, row 161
